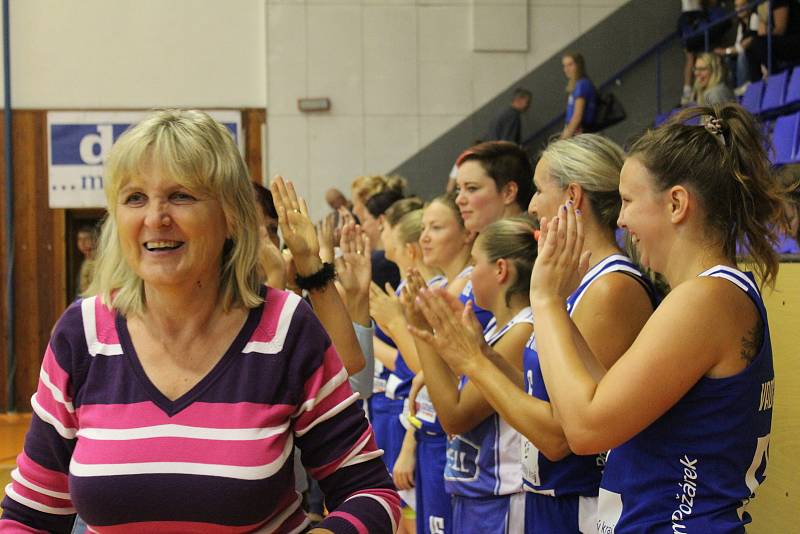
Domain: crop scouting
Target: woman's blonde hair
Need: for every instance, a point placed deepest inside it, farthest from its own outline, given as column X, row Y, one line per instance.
column 364, row 187
column 402, row 208
column 513, row 240
column 193, row 149
column 594, row 163
column 716, row 76
column 409, row 227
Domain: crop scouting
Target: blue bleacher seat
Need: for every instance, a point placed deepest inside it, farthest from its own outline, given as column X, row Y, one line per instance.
column 793, row 90
column 751, row 100
column 784, row 140
column 774, row 92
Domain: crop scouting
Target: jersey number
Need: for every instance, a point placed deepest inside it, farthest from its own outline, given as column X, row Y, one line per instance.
column 752, row 478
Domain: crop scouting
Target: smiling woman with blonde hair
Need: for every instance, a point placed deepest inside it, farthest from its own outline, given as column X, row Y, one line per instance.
column 709, row 81
column 172, row 400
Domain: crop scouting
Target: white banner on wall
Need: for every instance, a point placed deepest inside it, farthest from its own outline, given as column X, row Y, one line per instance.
column 78, row 144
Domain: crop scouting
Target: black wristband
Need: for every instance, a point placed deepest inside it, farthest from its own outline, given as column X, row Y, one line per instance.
column 317, row 280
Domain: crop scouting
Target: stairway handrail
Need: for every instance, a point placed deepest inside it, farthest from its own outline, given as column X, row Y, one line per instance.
column 656, row 48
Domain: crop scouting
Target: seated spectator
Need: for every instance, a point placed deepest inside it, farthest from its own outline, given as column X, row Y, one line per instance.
column 785, row 30
column 695, row 15
column 709, row 81
column 582, row 100
column 734, row 55
column 507, row 126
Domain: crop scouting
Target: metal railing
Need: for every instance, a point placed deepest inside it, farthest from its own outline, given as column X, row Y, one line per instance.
column 657, row 50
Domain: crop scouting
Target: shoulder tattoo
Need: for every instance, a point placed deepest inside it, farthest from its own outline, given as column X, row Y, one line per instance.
column 752, row 341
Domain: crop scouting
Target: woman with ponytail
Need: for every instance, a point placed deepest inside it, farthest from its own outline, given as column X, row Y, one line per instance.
column 561, row 487
column 687, row 409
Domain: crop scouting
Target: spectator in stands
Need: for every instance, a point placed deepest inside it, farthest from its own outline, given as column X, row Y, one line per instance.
column 86, row 241
column 709, row 81
column 507, row 126
column 736, row 58
column 336, row 200
column 205, row 377
column 582, row 100
column 695, row 14
column 785, row 32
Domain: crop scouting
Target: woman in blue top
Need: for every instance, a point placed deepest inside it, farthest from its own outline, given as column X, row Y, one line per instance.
column 561, row 487
column 687, row 409
column 582, row 100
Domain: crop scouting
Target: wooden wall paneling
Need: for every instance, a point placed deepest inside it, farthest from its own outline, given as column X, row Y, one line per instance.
column 39, row 252
column 252, row 120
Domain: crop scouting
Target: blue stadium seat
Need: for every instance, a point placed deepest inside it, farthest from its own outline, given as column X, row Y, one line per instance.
column 793, row 90
column 751, row 100
column 784, row 140
column 775, row 92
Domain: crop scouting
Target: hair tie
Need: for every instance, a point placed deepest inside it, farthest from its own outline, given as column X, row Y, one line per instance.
column 715, row 127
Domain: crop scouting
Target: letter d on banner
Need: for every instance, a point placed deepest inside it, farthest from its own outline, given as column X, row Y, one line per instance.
column 104, row 139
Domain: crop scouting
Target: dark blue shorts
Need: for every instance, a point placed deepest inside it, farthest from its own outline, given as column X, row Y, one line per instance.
column 570, row 514
column 434, row 511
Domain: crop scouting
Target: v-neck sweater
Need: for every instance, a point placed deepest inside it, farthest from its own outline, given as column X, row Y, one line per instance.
column 106, row 443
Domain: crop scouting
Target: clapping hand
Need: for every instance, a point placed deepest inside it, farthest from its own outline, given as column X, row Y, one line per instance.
column 354, row 268
column 385, row 308
column 296, row 227
column 456, row 334
column 561, row 261
column 408, row 297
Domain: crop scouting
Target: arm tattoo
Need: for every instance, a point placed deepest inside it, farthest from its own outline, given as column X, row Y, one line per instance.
column 752, row 342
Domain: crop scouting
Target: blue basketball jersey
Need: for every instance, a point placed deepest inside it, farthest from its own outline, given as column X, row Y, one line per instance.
column 398, row 384
column 695, row 468
column 484, row 316
column 572, row 475
column 381, row 373
column 485, row 460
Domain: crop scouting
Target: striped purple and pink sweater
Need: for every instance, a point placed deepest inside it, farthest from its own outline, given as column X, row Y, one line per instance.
column 106, row 443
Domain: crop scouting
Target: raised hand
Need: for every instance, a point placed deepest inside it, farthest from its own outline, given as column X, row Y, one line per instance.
column 457, row 335
column 561, row 261
column 354, row 266
column 271, row 261
column 408, row 298
column 325, row 236
column 296, row 227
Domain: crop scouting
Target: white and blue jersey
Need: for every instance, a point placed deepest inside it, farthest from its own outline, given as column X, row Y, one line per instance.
column 483, row 316
column 383, row 410
column 398, row 385
column 695, row 468
column 485, row 460
column 572, row 475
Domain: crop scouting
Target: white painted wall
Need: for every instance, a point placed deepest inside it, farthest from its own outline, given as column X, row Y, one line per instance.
column 399, row 73
column 137, row 53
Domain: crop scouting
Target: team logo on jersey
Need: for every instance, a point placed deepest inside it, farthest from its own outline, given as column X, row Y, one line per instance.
column 462, row 460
